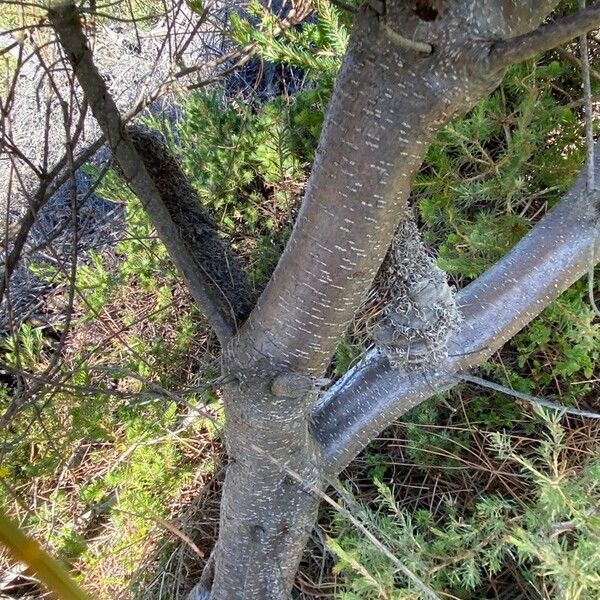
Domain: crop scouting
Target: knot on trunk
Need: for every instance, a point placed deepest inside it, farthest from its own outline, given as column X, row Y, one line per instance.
column 410, row 311
column 296, row 385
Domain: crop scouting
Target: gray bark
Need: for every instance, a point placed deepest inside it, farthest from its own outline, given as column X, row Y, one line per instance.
column 551, row 257
column 508, row 52
column 387, row 105
column 390, row 100
column 266, row 514
column 220, row 272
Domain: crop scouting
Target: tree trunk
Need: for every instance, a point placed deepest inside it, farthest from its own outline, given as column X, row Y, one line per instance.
column 266, row 513
column 388, row 103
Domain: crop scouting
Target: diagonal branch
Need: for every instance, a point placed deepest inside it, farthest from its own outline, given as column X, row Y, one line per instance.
column 575, row 62
column 507, row 52
column 214, row 303
column 550, row 258
column 199, row 232
column 387, row 105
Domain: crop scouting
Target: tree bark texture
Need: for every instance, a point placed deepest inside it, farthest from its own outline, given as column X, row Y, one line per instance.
column 551, row 257
column 389, row 101
column 387, row 105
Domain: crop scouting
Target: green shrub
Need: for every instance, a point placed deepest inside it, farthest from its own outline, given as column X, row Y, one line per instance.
column 552, row 535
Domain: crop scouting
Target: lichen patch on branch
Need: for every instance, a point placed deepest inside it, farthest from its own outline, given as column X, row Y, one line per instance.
column 410, row 311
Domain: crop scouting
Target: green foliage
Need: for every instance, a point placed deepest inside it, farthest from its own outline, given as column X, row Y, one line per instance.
column 346, row 355
column 488, row 173
column 316, row 47
column 428, row 446
column 132, row 338
column 567, row 334
column 487, row 179
column 555, row 357
column 248, row 162
column 247, row 165
column 234, row 152
column 553, row 536
column 23, row 351
column 231, row 151
column 94, row 281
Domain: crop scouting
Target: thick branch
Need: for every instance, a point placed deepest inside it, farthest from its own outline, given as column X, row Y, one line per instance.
column 387, row 105
column 495, row 307
column 206, row 247
column 65, row 19
column 528, row 45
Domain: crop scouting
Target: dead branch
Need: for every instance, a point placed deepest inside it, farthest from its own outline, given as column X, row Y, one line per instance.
column 66, row 21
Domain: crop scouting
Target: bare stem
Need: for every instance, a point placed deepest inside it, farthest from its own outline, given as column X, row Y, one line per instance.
column 587, row 95
column 589, row 142
column 66, row 21
column 527, row 397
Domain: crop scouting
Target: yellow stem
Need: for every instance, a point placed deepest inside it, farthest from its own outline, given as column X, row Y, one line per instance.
column 49, row 570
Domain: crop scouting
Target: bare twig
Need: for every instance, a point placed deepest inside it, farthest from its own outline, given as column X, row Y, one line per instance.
column 589, row 117
column 527, row 397
column 65, row 19
column 49, row 184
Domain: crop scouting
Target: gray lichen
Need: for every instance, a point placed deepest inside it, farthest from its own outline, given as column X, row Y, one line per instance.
column 410, row 310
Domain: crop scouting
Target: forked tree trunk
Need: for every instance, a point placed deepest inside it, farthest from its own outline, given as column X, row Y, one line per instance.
column 403, row 78
column 388, row 103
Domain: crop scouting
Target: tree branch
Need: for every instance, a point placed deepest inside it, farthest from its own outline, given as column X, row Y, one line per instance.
column 507, row 52
column 206, row 247
column 66, row 22
column 371, row 146
column 49, row 185
column 574, row 61
column 526, row 397
column 550, row 258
